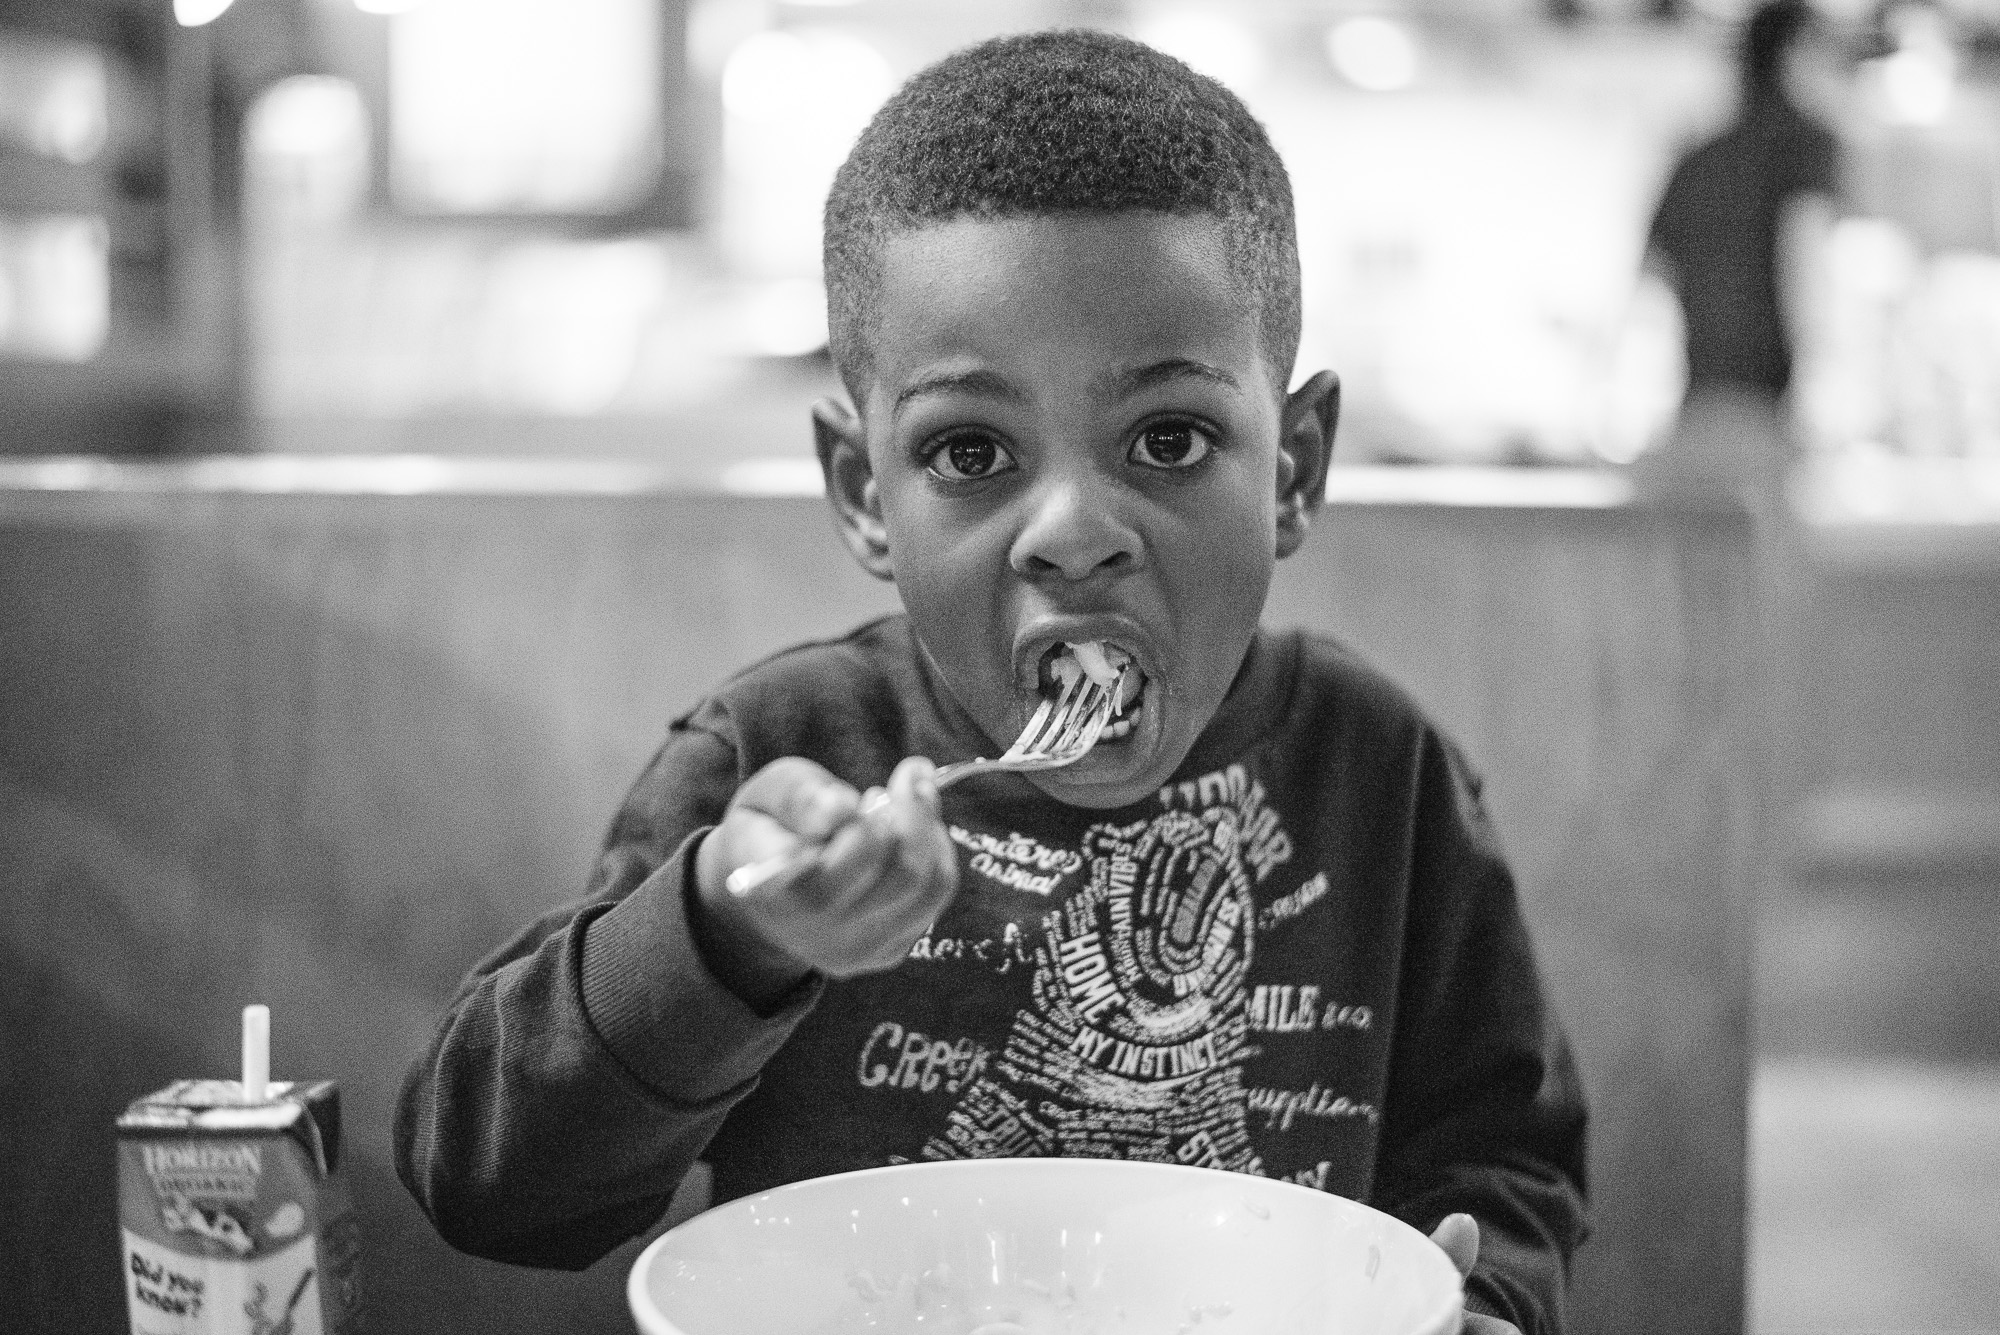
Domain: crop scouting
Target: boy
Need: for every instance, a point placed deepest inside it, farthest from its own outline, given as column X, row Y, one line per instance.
column 1262, row 926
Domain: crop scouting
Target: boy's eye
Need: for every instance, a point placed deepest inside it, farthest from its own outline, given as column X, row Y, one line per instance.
column 968, row 456
column 1171, row 445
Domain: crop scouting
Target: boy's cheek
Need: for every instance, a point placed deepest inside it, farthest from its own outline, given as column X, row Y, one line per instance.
column 955, row 593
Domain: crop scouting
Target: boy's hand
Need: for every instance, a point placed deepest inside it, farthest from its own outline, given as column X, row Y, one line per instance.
column 1458, row 1235
column 877, row 871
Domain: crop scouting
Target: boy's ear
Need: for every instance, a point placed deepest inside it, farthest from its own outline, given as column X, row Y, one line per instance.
column 1305, row 450
column 850, row 485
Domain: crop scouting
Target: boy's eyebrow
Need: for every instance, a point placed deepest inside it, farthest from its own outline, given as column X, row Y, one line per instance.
column 1127, row 383
column 989, row 383
column 1122, row 385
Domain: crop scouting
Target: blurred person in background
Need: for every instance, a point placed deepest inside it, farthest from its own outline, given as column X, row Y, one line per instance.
column 1737, row 236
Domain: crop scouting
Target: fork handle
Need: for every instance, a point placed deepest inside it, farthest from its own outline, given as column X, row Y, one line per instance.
column 947, row 775
column 746, row 878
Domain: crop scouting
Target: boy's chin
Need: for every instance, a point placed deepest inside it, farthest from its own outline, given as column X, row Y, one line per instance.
column 1115, row 774
column 1078, row 792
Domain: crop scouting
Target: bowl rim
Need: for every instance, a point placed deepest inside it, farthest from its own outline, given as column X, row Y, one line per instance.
column 1447, row 1320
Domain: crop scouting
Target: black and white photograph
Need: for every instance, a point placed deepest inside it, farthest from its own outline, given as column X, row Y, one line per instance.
column 1000, row 667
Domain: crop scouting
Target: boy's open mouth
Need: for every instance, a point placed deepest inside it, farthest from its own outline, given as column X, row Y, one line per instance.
column 1104, row 663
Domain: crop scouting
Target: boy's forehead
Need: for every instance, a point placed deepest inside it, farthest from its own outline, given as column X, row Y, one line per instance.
column 1114, row 286
column 963, row 260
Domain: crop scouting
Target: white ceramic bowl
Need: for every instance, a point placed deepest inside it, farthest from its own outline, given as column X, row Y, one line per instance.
column 1044, row 1247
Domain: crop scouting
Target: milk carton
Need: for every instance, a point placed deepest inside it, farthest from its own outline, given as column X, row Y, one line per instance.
column 235, row 1211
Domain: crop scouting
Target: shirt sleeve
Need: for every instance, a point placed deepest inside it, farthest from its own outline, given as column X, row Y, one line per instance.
column 1485, row 1113
column 582, row 1067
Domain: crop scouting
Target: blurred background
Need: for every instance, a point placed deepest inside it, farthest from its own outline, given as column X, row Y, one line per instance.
column 518, row 226
column 350, row 249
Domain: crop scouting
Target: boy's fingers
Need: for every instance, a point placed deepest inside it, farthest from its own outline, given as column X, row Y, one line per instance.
column 924, row 853
column 841, row 873
column 801, row 796
column 915, row 777
column 877, row 870
column 1458, row 1236
column 894, row 871
column 918, row 872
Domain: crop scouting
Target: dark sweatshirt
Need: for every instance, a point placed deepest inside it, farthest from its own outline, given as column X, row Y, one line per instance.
column 1303, row 958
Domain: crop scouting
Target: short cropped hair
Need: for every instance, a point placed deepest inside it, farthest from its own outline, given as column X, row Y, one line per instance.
column 1060, row 122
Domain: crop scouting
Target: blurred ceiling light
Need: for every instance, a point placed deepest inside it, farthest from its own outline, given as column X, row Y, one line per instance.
column 715, row 28
column 1372, row 52
column 524, row 106
column 1916, row 79
column 1916, row 88
column 565, row 321
column 306, row 150
column 70, row 118
column 1874, row 258
column 1209, row 41
column 795, row 101
column 55, row 274
column 308, row 115
column 786, row 318
column 194, row 13
column 767, row 77
column 777, row 76
column 386, row 6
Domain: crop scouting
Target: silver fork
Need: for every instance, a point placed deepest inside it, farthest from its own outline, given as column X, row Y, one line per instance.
column 1061, row 732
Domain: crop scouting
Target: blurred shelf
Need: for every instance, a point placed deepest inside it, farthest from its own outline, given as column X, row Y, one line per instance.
column 1462, row 485
column 1874, row 511
column 775, row 475
column 1882, row 829
column 340, row 475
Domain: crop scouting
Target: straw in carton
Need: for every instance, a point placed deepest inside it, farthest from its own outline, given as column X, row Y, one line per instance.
column 256, row 1053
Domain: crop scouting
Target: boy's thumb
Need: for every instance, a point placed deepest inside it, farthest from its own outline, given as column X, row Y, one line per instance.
column 1458, row 1236
column 916, row 776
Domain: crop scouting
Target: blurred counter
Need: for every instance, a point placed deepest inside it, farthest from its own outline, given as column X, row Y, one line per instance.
column 320, row 732
column 1874, row 510
column 775, row 475
column 1890, row 617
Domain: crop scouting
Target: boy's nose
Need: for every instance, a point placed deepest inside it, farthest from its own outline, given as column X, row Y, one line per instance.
column 1073, row 532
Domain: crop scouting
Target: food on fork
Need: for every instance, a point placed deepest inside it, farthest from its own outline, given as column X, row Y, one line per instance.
column 1093, row 658
column 1107, row 665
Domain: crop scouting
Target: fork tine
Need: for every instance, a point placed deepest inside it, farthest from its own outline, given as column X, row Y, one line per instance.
column 1034, row 729
column 1079, row 721
column 1036, row 725
column 1097, row 721
column 1062, row 730
column 1054, row 723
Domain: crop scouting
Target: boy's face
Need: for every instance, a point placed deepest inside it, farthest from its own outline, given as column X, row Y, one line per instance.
column 1072, row 432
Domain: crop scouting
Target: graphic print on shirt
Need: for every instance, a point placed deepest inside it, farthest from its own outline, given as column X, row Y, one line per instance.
column 1017, row 862
column 1139, row 1023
